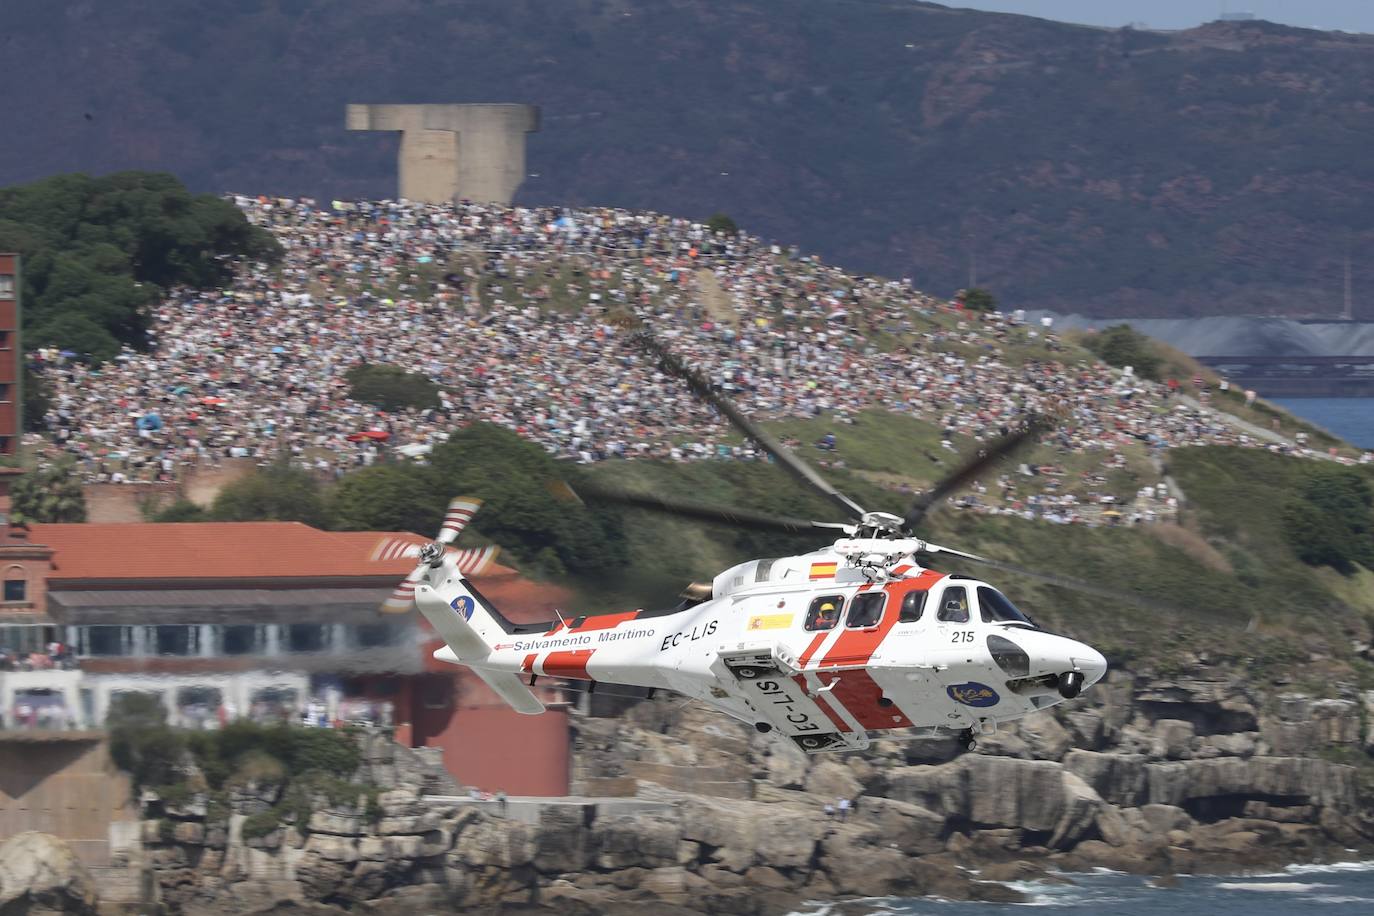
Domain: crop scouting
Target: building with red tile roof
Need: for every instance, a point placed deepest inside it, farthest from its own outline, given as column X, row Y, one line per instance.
column 260, row 619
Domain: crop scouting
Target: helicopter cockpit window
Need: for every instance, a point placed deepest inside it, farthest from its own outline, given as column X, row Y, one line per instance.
column 954, row 605
column 866, row 610
column 997, row 608
column 912, row 606
column 824, row 612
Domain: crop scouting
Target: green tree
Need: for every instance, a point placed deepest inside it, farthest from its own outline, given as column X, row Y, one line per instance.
column 721, row 223
column 1121, row 345
column 389, row 497
column 183, row 510
column 277, row 493
column 978, row 299
column 98, row 251
column 520, row 513
column 391, row 388
column 51, row 494
column 1329, row 522
column 140, row 740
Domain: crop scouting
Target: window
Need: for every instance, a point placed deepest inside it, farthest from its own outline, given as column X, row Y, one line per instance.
column 824, row 612
column 375, row 635
column 912, row 606
column 102, row 640
column 16, row 590
column 306, row 637
column 242, row 639
column 4, row 340
column 173, row 640
column 1010, row 657
column 995, row 607
column 866, row 610
column 763, row 570
column 6, row 286
column 954, row 605
column 4, row 394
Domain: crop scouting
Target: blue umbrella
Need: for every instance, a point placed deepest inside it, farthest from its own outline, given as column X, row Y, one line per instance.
column 278, row 349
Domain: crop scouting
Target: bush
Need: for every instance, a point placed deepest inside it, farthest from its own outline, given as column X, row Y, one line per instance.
column 1329, row 522
column 721, row 223
column 1121, row 345
column 278, row 493
column 391, row 388
column 52, row 494
column 389, row 497
column 261, row 824
column 978, row 299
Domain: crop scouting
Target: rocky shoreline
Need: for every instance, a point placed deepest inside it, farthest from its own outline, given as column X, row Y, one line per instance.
column 1150, row 776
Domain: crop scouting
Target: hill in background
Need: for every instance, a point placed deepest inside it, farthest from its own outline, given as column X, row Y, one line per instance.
column 1222, row 169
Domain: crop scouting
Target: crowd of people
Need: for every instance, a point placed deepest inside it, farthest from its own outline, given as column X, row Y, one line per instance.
column 511, row 312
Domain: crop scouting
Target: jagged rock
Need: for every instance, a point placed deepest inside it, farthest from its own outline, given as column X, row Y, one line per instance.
column 1035, row 795
column 857, row 865
column 40, row 874
column 1236, row 745
column 1161, row 819
column 1173, row 738
column 1087, row 728
column 1311, row 780
column 1045, row 737
column 636, row 840
column 337, row 823
column 332, row 848
column 561, row 840
column 832, row 780
column 745, row 832
column 911, row 828
column 189, row 832
column 786, row 767
column 500, row 843
column 1118, row 778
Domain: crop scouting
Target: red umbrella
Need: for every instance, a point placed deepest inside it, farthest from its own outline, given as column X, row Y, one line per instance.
column 380, row 435
column 214, row 402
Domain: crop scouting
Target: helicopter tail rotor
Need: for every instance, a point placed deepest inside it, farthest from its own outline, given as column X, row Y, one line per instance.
column 468, row 561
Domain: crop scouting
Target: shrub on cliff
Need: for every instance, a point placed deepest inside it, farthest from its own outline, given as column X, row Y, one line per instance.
column 1329, row 521
column 51, row 494
column 1121, row 345
column 391, row 388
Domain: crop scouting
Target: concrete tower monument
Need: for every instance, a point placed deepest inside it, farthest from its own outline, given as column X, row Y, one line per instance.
column 448, row 152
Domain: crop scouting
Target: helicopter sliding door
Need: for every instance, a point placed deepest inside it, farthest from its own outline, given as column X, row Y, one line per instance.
column 963, row 666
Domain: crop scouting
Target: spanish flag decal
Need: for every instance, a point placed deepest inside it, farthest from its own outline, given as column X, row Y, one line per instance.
column 822, row 570
column 770, row 621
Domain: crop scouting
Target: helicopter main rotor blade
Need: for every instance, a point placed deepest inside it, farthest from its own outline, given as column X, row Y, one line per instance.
column 1034, row 427
column 699, row 386
column 739, row 518
column 1075, row 585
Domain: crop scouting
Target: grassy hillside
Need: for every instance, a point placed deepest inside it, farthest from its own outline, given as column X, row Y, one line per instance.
column 1219, row 169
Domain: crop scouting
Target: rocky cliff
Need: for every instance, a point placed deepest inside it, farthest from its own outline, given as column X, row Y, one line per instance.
column 1216, row 170
column 1147, row 774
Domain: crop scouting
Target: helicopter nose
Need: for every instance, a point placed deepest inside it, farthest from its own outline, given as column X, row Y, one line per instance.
column 1089, row 662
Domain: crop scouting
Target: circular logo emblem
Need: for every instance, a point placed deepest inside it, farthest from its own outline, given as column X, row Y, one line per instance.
column 973, row 694
column 463, row 605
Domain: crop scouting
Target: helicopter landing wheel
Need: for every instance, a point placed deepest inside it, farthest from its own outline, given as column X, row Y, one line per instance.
column 967, row 741
column 747, row 673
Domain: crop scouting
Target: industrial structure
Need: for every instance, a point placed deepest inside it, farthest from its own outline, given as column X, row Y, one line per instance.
column 454, row 152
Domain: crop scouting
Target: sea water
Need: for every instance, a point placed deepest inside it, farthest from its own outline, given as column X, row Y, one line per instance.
column 1350, row 418
column 1343, row 889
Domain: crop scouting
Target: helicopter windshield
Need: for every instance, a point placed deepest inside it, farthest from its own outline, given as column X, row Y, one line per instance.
column 997, row 608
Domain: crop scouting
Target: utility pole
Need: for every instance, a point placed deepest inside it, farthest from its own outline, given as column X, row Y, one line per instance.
column 1349, row 313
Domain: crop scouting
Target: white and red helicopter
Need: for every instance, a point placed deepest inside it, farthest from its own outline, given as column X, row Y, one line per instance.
column 824, row 648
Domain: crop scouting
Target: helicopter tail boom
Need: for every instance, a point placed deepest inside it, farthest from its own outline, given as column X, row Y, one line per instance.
column 467, row 624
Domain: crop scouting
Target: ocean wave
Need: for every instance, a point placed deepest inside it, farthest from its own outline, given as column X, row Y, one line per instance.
column 1329, row 868
column 1272, row 887
column 1339, row 898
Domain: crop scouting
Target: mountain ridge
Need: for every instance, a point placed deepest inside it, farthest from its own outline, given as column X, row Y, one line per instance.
column 1218, row 170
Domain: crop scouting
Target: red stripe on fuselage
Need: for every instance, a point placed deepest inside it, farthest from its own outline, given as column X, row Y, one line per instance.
column 819, row 700
column 571, row 664
column 856, row 647
column 528, row 663
column 859, row 694
column 811, row 649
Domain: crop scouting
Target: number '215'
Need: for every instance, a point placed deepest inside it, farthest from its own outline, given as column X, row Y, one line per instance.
column 962, row 636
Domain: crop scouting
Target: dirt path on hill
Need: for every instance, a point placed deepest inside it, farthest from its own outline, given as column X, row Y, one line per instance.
column 714, row 299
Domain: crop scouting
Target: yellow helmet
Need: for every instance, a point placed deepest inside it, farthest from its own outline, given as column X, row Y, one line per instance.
column 827, row 606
